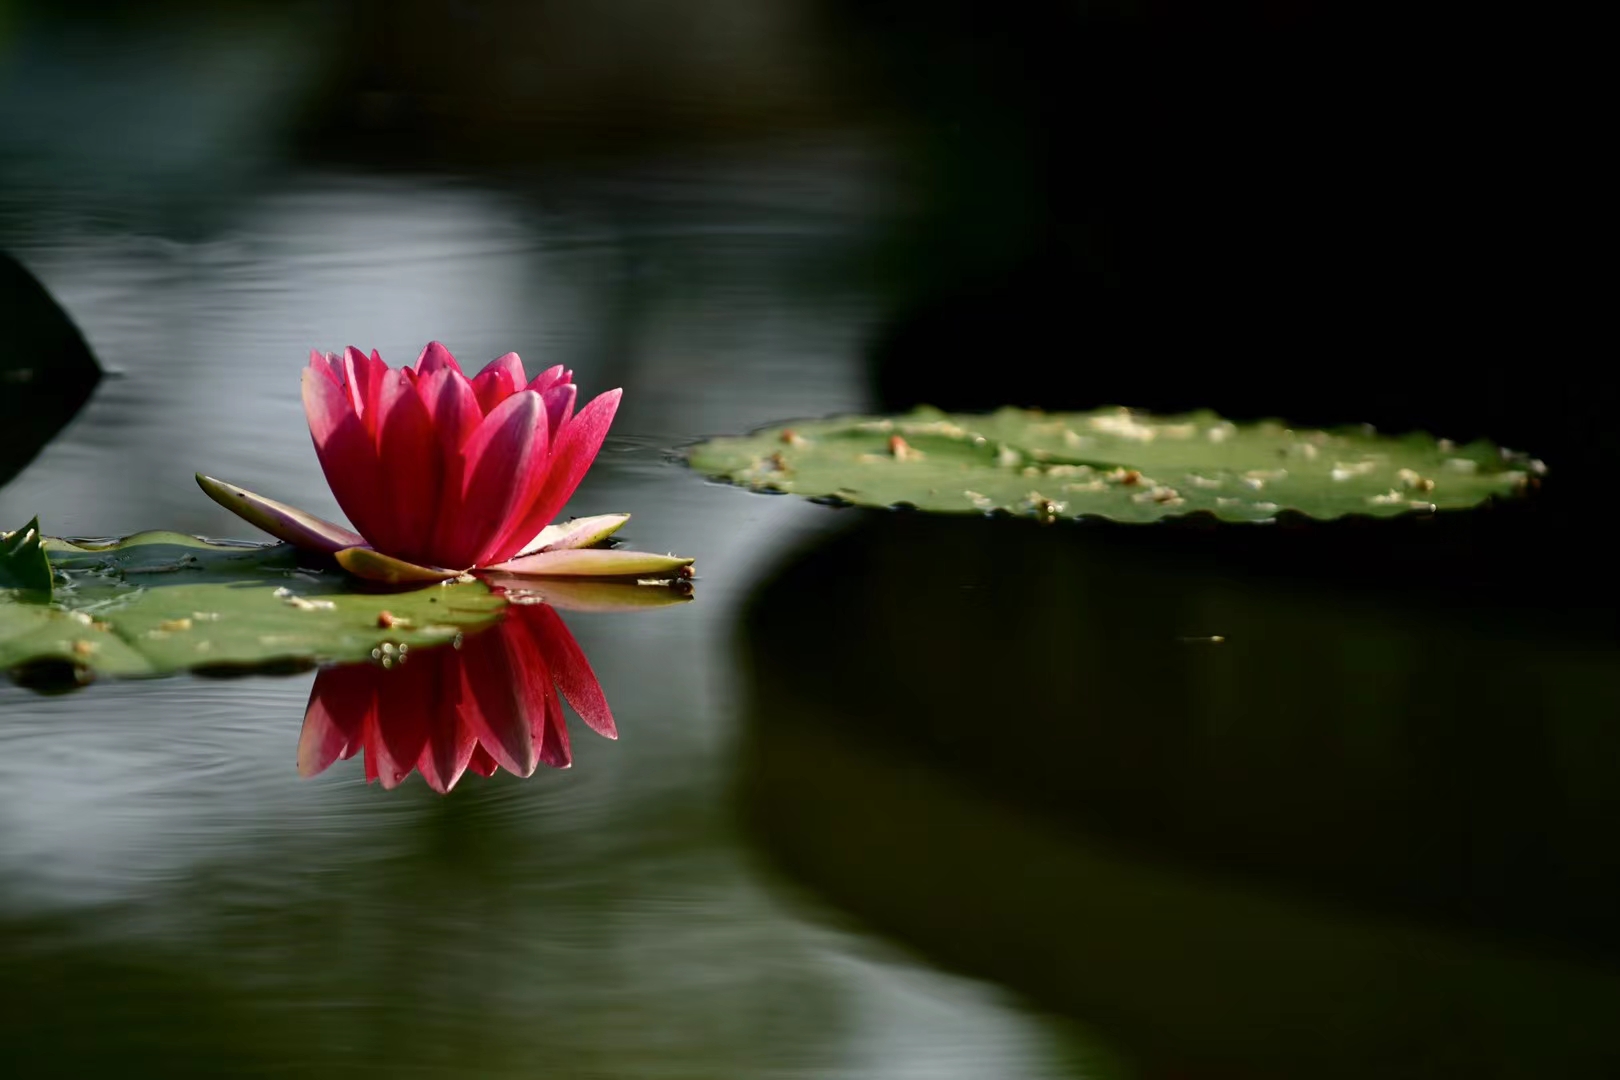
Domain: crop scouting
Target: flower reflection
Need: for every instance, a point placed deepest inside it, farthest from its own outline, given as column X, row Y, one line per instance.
column 493, row 701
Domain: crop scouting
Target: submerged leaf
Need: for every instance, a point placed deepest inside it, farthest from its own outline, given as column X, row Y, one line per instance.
column 1113, row 463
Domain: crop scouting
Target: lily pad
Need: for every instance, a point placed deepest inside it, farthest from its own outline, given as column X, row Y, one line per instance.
column 1113, row 463
column 159, row 602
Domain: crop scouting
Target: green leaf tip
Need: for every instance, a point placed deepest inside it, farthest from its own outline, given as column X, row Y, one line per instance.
column 24, row 564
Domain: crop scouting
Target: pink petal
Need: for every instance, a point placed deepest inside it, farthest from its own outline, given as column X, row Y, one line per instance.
column 571, row 456
column 412, row 470
column 456, row 416
column 435, row 358
column 347, row 451
column 281, row 521
column 504, row 465
column 452, row 406
column 552, row 376
column 363, row 377
column 500, row 379
column 580, row 532
column 595, row 562
column 559, row 407
column 326, row 364
column 572, row 671
column 373, row 565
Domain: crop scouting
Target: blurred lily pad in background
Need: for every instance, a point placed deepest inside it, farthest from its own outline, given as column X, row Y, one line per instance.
column 160, row 602
column 1114, row 463
column 46, row 370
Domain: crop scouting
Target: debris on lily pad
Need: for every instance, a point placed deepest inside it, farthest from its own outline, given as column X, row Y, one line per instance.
column 1114, row 463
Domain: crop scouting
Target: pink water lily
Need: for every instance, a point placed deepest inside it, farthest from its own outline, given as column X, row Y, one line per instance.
column 442, row 474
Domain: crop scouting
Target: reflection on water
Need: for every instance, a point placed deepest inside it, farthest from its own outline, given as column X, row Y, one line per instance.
column 1368, row 833
column 492, row 700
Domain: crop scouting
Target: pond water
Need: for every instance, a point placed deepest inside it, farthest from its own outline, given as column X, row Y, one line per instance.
column 174, row 884
column 891, row 798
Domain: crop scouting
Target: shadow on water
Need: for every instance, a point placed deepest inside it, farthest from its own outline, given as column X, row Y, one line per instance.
column 1321, row 800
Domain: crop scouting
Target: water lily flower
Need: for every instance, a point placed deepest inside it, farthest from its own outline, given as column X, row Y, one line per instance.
column 494, row 702
column 442, row 474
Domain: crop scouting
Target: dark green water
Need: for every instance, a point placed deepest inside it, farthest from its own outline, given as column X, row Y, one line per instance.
column 893, row 798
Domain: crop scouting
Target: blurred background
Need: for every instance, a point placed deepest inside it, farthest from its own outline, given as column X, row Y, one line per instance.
column 897, row 796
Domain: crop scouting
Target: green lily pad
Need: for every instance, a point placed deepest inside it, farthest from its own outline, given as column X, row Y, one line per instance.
column 159, row 602
column 23, row 564
column 1113, row 463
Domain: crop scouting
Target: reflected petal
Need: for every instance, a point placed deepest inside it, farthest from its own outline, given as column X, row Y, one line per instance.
column 571, row 670
column 494, row 701
column 408, row 703
column 341, row 704
column 481, row 762
column 553, row 735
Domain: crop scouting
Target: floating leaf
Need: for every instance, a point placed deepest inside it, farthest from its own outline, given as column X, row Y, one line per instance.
column 159, row 602
column 1113, row 463
column 23, row 564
